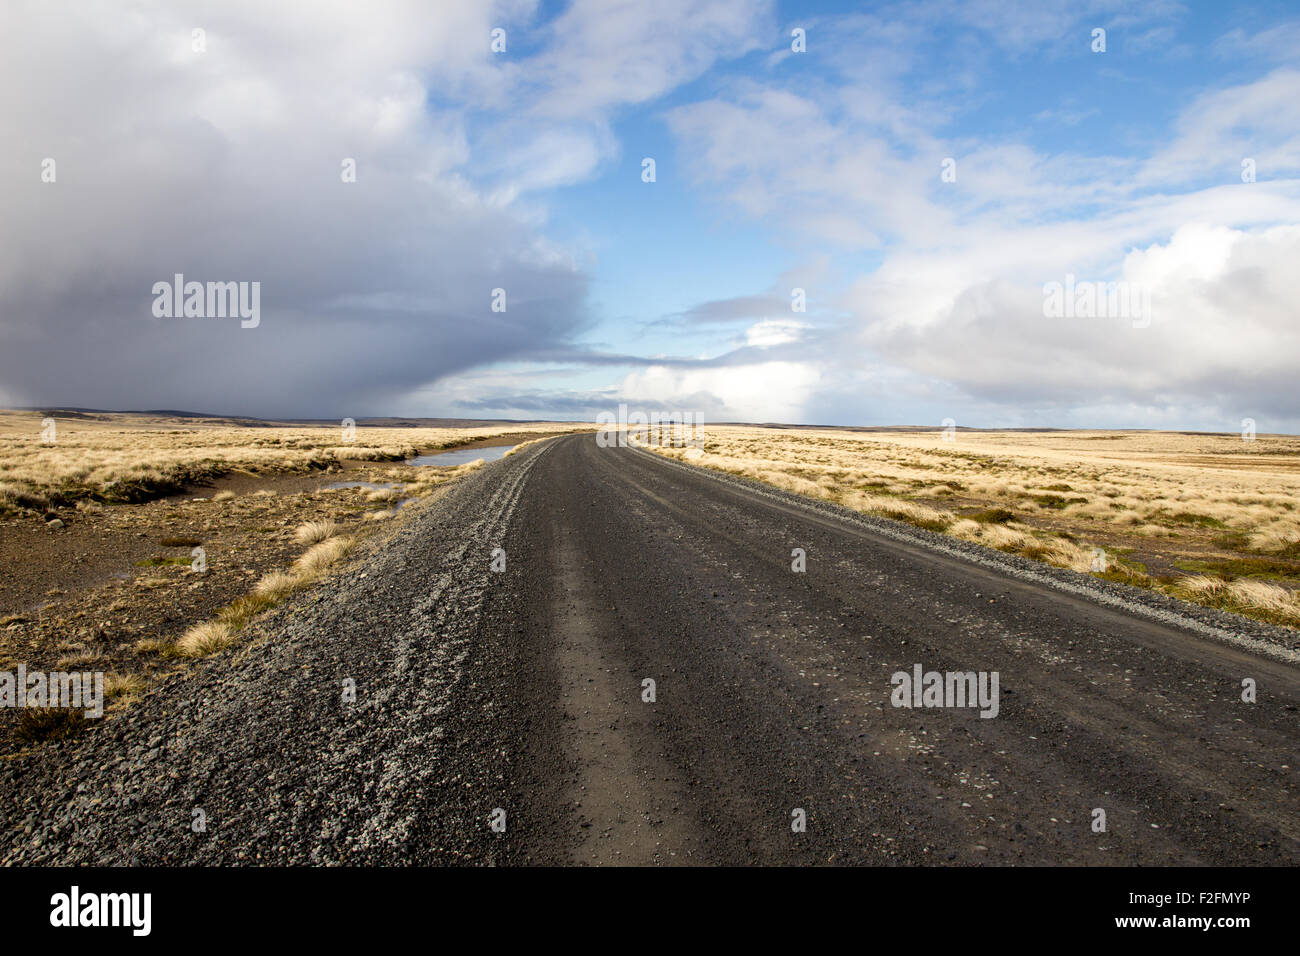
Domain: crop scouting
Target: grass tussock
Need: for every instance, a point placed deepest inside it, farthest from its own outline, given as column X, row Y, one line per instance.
column 1259, row 599
column 123, row 689
column 81, row 658
column 243, row 609
column 204, row 639
column 278, row 585
column 223, row 631
column 524, row 444
column 37, row 724
column 312, row 532
column 323, row 555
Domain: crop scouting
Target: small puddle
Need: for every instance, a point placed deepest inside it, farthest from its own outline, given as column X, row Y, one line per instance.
column 461, row 456
column 397, row 486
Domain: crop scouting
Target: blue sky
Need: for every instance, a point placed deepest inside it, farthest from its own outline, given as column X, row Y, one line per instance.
column 775, row 171
column 995, row 80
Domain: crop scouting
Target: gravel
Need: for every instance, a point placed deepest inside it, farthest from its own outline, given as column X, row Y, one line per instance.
column 253, row 756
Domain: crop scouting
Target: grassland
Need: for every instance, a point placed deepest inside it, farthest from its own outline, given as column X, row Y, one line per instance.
column 99, row 530
column 115, row 458
column 1208, row 518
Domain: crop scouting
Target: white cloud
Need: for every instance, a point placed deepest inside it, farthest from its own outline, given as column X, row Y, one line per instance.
column 605, row 54
column 766, row 392
column 1281, row 42
column 1223, row 333
column 957, row 296
column 771, row 332
column 1218, row 130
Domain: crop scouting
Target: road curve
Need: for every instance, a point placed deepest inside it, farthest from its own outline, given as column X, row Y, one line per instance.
column 519, row 696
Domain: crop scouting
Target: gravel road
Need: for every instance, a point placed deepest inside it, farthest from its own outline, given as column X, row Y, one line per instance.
column 519, row 696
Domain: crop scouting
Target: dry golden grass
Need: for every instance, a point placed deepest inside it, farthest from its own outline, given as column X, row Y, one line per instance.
column 109, row 465
column 327, row 550
column 206, row 638
column 244, row 608
column 313, row 531
column 322, row 555
column 420, row 482
column 1177, row 501
column 124, row 689
column 524, row 444
column 125, row 458
column 278, row 585
column 212, row 636
column 81, row 660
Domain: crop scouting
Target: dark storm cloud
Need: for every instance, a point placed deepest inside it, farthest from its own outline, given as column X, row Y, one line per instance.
column 227, row 165
column 219, row 154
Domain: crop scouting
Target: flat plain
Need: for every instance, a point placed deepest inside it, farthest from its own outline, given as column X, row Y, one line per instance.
column 646, row 679
column 100, row 517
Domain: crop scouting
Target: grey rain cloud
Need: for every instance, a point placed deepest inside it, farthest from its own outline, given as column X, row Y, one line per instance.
column 226, row 165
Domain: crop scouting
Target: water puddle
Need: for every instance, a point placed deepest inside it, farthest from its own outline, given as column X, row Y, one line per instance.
column 461, row 456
